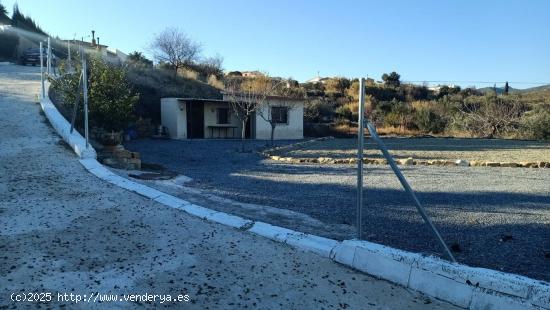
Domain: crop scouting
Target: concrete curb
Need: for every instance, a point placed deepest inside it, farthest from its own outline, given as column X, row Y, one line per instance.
column 467, row 287
column 63, row 128
column 463, row 286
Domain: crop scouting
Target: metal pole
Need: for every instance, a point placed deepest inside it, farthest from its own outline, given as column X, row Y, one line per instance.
column 360, row 140
column 409, row 190
column 49, row 64
column 75, row 107
column 85, row 93
column 42, row 71
column 70, row 69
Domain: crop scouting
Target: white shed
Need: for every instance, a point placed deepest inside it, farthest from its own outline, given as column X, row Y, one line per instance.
column 191, row 118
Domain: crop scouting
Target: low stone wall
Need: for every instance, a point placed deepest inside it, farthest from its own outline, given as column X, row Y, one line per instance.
column 408, row 162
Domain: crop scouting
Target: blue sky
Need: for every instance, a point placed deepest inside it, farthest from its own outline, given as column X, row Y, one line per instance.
column 486, row 41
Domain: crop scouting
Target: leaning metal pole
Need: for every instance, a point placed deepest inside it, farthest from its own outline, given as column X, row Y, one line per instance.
column 408, row 189
column 42, row 71
column 360, row 140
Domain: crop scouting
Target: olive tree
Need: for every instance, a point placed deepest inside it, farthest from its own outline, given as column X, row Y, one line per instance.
column 111, row 99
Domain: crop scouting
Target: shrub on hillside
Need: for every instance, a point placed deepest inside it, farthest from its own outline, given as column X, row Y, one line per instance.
column 344, row 112
column 535, row 124
column 318, row 110
column 429, row 121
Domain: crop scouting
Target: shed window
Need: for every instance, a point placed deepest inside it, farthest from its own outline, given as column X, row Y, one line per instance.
column 279, row 115
column 222, row 115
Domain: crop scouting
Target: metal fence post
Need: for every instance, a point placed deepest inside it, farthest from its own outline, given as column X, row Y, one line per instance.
column 42, row 71
column 69, row 65
column 77, row 100
column 360, row 143
column 49, row 60
column 85, row 95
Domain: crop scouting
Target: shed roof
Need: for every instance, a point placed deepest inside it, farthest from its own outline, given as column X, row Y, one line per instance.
column 201, row 100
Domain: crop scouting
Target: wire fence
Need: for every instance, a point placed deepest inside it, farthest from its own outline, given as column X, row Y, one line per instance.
column 51, row 71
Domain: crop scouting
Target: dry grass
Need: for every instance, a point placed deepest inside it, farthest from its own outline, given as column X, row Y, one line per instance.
column 345, row 129
column 429, row 148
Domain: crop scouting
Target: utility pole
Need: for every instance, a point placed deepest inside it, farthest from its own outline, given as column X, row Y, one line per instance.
column 360, row 144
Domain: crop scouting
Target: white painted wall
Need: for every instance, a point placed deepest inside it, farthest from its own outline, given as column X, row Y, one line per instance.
column 173, row 116
column 293, row 130
column 210, row 119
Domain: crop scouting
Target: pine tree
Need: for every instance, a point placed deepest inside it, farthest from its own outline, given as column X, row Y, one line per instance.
column 19, row 20
column 506, row 88
column 4, row 19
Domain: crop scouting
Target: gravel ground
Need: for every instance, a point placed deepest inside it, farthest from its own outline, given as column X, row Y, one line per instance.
column 430, row 148
column 497, row 218
column 62, row 230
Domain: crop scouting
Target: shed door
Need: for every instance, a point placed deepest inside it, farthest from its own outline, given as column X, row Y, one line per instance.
column 195, row 120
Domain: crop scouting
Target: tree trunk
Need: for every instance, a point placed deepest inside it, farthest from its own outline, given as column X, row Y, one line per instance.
column 243, row 135
column 272, row 133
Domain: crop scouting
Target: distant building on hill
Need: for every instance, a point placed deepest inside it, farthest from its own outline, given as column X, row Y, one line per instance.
column 437, row 88
column 318, row 79
column 109, row 54
column 252, row 74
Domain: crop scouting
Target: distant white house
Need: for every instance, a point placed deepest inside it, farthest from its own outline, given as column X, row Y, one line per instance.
column 192, row 118
column 437, row 88
column 317, row 79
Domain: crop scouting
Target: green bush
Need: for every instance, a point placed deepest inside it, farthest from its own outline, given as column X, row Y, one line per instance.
column 535, row 124
column 400, row 115
column 111, row 99
column 318, row 110
column 344, row 112
column 427, row 120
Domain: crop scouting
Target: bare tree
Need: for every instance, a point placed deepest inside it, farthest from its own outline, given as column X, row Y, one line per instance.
column 276, row 112
column 174, row 47
column 245, row 96
column 490, row 116
column 212, row 66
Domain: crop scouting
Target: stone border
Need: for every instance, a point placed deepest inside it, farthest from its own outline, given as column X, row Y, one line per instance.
column 467, row 287
column 408, row 162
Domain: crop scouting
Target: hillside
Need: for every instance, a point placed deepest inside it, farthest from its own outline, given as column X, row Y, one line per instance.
column 152, row 84
column 500, row 90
